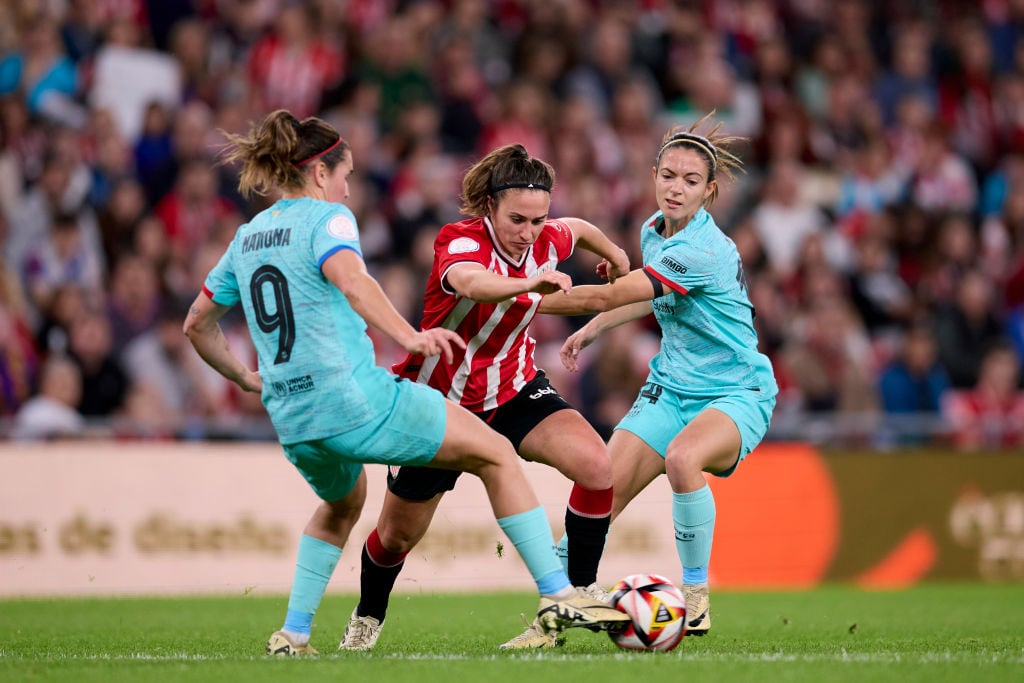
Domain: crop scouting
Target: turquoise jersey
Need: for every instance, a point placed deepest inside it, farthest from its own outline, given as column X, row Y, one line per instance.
column 709, row 346
column 319, row 372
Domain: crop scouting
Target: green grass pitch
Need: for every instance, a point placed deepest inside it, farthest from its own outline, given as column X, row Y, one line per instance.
column 928, row 633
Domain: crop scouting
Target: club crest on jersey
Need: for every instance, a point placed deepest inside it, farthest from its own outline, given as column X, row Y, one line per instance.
column 342, row 227
column 463, row 245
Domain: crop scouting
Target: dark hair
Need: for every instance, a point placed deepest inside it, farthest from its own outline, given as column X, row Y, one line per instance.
column 506, row 168
column 713, row 146
column 278, row 150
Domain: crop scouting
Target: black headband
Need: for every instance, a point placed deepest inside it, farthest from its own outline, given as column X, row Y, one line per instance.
column 519, row 186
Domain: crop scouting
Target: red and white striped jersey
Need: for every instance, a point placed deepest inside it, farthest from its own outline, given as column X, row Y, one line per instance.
column 498, row 360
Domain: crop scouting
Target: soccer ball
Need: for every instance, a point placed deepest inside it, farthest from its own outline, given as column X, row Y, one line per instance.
column 657, row 610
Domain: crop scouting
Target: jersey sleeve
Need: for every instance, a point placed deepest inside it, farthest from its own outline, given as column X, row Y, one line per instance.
column 561, row 236
column 681, row 269
column 337, row 231
column 222, row 284
column 455, row 245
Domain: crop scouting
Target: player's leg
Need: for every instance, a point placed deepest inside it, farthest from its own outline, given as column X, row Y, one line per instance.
column 634, row 465
column 320, row 545
column 717, row 437
column 710, row 442
column 469, row 445
column 400, row 526
column 567, row 442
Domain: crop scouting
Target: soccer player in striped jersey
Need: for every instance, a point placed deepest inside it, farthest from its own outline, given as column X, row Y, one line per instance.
column 488, row 277
column 710, row 394
column 298, row 272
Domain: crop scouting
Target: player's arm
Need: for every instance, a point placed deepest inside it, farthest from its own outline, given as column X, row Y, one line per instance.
column 615, row 261
column 202, row 328
column 346, row 270
column 637, row 286
column 473, row 281
column 584, row 336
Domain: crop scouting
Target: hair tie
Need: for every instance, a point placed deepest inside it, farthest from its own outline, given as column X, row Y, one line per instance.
column 319, row 154
column 520, row 186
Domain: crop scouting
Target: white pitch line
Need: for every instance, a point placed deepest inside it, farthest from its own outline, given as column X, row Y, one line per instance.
column 944, row 657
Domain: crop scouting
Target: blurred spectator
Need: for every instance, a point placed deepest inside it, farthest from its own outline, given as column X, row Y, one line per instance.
column 11, row 180
column 134, row 298
column 56, row 191
column 873, row 182
column 965, row 95
column 966, row 328
column 128, row 76
column 51, row 413
column 951, row 251
column 910, row 73
column 394, row 63
column 193, row 210
column 291, row 67
column 119, row 219
column 914, row 382
column 609, row 62
column 182, row 385
column 828, row 357
column 154, row 150
column 523, row 114
column 991, row 413
column 62, row 257
column 18, row 354
column 42, row 72
column 783, row 219
column 104, row 382
column 942, row 180
column 65, row 305
column 882, row 299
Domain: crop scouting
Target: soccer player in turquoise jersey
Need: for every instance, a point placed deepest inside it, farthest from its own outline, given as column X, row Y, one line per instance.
column 297, row 270
column 709, row 396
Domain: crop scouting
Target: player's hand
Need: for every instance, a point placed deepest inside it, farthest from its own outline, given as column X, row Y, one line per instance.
column 550, row 282
column 251, row 382
column 435, row 341
column 570, row 351
column 611, row 270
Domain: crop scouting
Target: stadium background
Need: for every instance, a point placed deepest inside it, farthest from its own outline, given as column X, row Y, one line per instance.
column 881, row 222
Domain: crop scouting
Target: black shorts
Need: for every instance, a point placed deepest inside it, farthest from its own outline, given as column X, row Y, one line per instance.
column 513, row 420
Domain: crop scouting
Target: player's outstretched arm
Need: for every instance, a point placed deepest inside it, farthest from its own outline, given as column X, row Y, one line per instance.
column 347, row 271
column 583, row 337
column 615, row 261
column 632, row 288
column 475, row 282
column 203, row 330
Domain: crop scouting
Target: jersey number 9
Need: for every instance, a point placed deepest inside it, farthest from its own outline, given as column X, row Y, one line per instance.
column 281, row 319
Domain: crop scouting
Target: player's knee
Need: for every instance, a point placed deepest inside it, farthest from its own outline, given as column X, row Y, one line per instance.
column 592, row 471
column 681, row 459
column 397, row 539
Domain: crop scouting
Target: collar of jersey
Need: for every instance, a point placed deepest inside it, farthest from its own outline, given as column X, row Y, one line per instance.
column 501, row 252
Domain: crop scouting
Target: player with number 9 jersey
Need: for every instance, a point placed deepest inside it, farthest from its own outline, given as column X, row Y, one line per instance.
column 315, row 344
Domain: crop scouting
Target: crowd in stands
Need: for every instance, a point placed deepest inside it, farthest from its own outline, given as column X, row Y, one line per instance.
column 881, row 218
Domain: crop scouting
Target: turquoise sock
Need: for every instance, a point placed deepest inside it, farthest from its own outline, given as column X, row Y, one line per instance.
column 562, row 550
column 313, row 569
column 693, row 517
column 530, row 533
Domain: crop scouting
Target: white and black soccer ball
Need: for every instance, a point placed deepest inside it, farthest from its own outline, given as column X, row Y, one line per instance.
column 656, row 608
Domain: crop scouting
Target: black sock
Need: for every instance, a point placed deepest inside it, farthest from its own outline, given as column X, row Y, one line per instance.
column 586, row 545
column 375, row 584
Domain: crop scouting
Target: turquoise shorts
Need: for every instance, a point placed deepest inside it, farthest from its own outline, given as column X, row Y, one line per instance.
column 659, row 414
column 409, row 432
